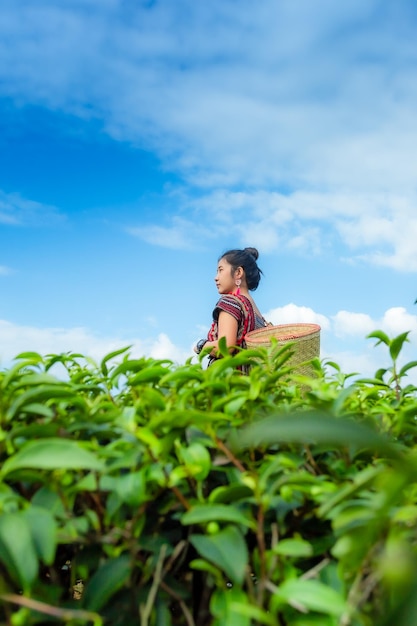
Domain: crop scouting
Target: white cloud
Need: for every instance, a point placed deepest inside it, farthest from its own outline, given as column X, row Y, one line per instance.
column 366, row 358
column 379, row 228
column 397, row 320
column 317, row 99
column 179, row 234
column 5, row 271
column 323, row 94
column 388, row 229
column 18, row 211
column 346, row 323
column 363, row 364
column 259, row 235
column 294, row 314
column 15, row 339
column 160, row 236
column 163, row 348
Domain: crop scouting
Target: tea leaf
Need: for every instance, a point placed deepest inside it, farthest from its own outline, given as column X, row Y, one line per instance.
column 293, row 547
column 397, row 344
column 44, row 393
column 111, row 355
column 43, row 529
column 106, row 581
column 17, row 549
column 227, row 550
column 51, row 454
column 312, row 595
column 379, row 334
column 203, row 513
column 316, row 427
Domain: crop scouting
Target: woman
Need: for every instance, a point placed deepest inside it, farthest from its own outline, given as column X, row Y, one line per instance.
column 235, row 313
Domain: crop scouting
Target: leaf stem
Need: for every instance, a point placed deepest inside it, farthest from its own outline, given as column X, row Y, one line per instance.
column 41, row 607
column 146, row 611
column 230, row 455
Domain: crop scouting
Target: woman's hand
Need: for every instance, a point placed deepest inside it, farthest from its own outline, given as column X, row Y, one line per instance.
column 200, row 345
column 207, row 344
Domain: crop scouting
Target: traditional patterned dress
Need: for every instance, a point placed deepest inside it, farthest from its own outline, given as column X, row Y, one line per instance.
column 240, row 307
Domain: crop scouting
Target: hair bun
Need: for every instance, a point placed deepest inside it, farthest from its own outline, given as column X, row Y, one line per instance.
column 253, row 252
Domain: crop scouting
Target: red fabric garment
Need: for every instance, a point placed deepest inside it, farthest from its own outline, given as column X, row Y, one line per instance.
column 241, row 309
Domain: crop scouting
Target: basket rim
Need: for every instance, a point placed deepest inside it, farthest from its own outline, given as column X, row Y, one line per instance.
column 300, row 330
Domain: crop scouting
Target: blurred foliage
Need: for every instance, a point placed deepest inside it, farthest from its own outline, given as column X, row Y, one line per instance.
column 137, row 491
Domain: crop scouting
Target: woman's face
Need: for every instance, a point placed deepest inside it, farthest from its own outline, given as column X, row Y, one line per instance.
column 224, row 278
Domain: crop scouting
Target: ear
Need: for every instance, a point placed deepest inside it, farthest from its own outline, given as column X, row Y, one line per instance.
column 239, row 272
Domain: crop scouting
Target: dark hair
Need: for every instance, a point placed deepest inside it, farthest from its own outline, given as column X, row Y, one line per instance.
column 247, row 259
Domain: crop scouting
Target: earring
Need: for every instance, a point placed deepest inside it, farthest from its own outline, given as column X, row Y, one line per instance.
column 238, row 282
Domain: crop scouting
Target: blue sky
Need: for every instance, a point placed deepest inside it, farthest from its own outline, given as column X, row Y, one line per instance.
column 140, row 140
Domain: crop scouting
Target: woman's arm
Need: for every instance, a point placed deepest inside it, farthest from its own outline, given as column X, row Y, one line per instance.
column 227, row 327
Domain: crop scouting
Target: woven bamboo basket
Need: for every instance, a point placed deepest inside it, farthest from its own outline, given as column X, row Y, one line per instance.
column 305, row 339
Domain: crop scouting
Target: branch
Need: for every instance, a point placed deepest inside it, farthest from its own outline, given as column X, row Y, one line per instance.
column 41, row 607
column 146, row 610
column 230, row 455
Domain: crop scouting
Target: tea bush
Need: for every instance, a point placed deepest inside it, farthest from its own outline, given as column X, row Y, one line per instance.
column 137, row 491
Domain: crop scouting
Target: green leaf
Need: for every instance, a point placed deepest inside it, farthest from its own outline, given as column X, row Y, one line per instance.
column 405, row 613
column 379, row 334
column 243, row 613
column 53, row 453
column 293, row 547
column 204, row 513
column 397, row 344
column 111, row 355
column 15, row 371
column 183, row 375
column 34, row 357
column 106, row 581
column 227, row 550
column 362, row 479
column 223, row 606
column 131, row 487
column 197, row 460
column 17, row 549
column 163, row 615
column 407, row 514
column 128, row 365
column 204, row 566
column 222, row 347
column 50, row 500
column 313, row 427
column 334, row 365
column 407, row 367
column 230, row 493
column 231, row 407
column 39, row 409
column 375, row 382
column 43, row 529
column 151, row 398
column 353, row 516
column 182, row 419
column 311, row 595
column 39, row 394
column 149, row 375
column 32, row 379
column 315, row 620
column 36, row 430
column 380, row 373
